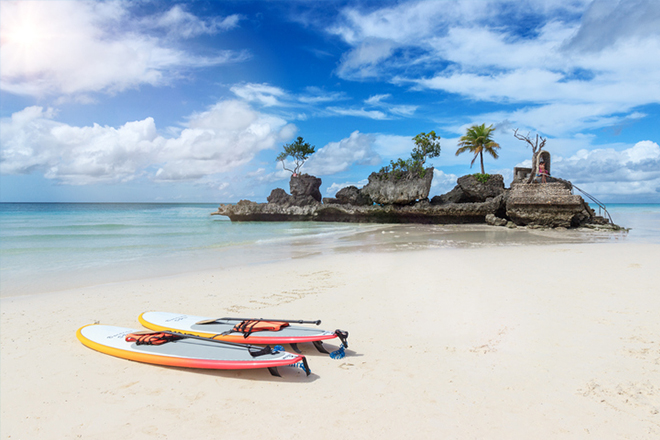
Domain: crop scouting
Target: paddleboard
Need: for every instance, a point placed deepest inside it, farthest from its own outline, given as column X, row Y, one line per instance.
column 293, row 334
column 186, row 352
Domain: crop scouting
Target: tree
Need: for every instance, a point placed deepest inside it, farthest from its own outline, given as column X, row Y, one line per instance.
column 477, row 140
column 426, row 146
column 299, row 151
column 536, row 149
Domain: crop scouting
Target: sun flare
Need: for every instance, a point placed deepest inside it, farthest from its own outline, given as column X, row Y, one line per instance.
column 24, row 34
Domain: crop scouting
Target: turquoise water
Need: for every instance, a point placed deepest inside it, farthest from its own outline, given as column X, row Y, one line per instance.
column 642, row 219
column 64, row 245
column 55, row 246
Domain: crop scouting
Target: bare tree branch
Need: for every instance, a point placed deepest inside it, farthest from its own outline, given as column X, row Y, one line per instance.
column 536, row 149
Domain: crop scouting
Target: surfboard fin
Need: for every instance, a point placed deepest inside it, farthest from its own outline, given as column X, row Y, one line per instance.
column 295, row 348
column 306, row 366
column 319, row 346
column 274, row 372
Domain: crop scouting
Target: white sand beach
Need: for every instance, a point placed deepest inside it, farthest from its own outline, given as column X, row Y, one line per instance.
column 558, row 341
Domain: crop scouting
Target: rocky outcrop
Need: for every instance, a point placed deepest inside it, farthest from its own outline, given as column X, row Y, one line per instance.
column 305, row 185
column 534, row 205
column 304, row 191
column 547, row 204
column 387, row 189
column 351, row 195
column 279, row 197
column 470, row 190
column 421, row 212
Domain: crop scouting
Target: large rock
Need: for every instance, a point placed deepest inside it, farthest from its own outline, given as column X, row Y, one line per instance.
column 385, row 189
column 351, row 195
column 279, row 197
column 305, row 185
column 421, row 212
column 469, row 190
column 546, row 204
column 456, row 195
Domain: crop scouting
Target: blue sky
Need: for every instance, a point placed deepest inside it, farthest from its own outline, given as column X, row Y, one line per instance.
column 192, row 101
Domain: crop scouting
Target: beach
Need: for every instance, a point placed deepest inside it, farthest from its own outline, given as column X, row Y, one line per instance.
column 540, row 340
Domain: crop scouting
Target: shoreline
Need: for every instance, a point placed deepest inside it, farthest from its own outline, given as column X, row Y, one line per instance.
column 363, row 238
column 503, row 342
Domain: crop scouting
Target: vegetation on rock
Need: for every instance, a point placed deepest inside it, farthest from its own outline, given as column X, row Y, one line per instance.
column 483, row 178
column 299, row 151
column 426, row 145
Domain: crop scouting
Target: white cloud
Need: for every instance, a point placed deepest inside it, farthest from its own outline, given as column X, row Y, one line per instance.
column 443, row 183
column 225, row 137
column 376, row 99
column 339, row 156
column 393, row 146
column 607, row 22
column 639, row 163
column 315, row 95
column 364, row 61
column 361, row 113
column 181, row 23
column 73, row 48
column 585, row 65
column 263, row 94
column 400, row 110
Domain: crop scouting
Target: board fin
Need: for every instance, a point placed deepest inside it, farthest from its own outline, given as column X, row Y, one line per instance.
column 306, row 366
column 274, row 372
column 319, row 346
column 295, row 348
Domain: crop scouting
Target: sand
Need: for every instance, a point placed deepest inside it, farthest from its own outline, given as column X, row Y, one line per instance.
column 558, row 341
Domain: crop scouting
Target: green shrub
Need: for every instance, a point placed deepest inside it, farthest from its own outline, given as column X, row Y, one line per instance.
column 483, row 178
column 426, row 145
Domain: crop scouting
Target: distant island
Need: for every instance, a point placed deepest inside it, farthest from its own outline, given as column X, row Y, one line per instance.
column 399, row 193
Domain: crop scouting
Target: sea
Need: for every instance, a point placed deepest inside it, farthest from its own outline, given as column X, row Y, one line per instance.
column 47, row 247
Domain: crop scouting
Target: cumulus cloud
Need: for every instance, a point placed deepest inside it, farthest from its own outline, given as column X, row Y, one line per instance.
column 73, row 48
column 339, row 156
column 226, row 136
column 583, row 65
column 442, row 182
column 639, row 163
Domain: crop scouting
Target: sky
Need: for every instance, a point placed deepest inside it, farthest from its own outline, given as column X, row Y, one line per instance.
column 192, row 101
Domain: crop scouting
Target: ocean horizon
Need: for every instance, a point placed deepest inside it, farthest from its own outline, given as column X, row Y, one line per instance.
column 57, row 246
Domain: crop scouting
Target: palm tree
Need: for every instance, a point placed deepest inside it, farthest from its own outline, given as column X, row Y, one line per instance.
column 477, row 140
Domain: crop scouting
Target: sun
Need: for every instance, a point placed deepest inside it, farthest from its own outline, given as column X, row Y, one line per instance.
column 25, row 35
column 22, row 27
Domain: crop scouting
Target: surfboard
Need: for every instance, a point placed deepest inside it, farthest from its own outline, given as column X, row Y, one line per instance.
column 185, row 352
column 221, row 329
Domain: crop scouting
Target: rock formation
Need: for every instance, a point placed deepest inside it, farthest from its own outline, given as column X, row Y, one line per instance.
column 421, row 212
column 305, row 185
column 405, row 201
column 548, row 204
column 470, row 190
column 304, row 191
column 388, row 189
column 350, row 195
